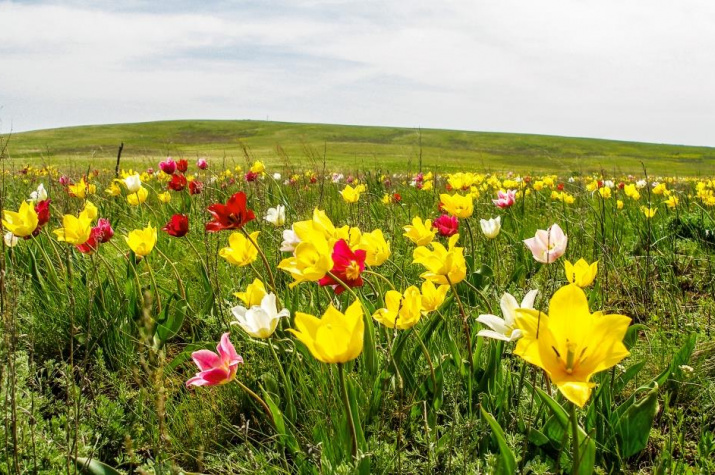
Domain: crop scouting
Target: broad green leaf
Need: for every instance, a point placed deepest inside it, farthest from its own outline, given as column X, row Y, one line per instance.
column 507, row 460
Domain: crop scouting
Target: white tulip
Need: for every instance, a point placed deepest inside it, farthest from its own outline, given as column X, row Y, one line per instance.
column 40, row 194
column 492, row 227
column 641, row 184
column 259, row 321
column 10, row 239
column 133, row 183
column 503, row 328
column 276, row 216
column 276, row 176
column 290, row 241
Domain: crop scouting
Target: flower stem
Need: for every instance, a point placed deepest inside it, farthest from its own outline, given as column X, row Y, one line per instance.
column 574, row 436
column 259, row 400
column 263, row 258
column 348, row 410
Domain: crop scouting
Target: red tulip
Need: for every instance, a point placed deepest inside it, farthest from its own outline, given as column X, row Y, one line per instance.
column 177, row 183
column 103, row 231
column 232, row 215
column 195, row 187
column 446, row 225
column 347, row 266
column 42, row 209
column 250, row 176
column 202, row 164
column 396, row 197
column 168, row 166
column 182, row 165
column 178, row 226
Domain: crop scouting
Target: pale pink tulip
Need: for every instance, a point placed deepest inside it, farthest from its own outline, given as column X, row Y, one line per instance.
column 548, row 245
column 505, row 200
column 202, row 163
column 215, row 369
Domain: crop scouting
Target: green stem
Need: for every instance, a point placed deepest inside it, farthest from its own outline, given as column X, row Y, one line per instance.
column 286, row 382
column 263, row 258
column 259, row 400
column 348, row 410
column 574, row 436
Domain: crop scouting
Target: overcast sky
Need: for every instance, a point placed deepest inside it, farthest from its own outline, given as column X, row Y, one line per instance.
column 621, row 69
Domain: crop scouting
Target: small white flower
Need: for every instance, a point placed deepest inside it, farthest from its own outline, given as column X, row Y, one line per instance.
column 337, row 177
column 276, row 216
column 276, row 176
column 503, row 328
column 572, row 179
column 259, row 321
column 10, row 239
column 491, row 227
column 290, row 241
column 641, row 184
column 40, row 194
column 609, row 183
column 133, row 183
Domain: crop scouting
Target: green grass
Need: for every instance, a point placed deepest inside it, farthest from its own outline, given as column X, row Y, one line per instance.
column 353, row 148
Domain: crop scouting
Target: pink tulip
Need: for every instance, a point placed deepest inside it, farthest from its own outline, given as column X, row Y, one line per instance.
column 168, row 166
column 215, row 369
column 202, row 164
column 64, row 180
column 549, row 245
column 505, row 200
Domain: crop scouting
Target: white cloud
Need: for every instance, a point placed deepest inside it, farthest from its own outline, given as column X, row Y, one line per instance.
column 630, row 70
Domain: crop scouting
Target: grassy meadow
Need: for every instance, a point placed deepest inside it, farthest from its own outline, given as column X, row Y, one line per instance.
column 119, row 320
column 352, row 148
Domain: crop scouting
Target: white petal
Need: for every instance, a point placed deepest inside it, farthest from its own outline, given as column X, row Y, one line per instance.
column 508, row 307
column 493, row 334
column 495, row 323
column 529, row 298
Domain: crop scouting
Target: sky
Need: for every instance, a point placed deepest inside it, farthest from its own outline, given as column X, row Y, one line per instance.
column 641, row 70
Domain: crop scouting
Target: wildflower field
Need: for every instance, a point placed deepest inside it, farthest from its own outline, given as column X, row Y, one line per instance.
column 247, row 315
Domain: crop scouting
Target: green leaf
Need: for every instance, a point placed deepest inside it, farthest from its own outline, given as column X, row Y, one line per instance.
column 507, row 460
column 94, row 467
column 633, row 427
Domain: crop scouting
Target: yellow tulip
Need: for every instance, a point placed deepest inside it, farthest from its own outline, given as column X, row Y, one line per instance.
column 672, row 202
column 457, row 205
column 350, row 194
column 648, row 211
column 444, row 265
column 142, row 241
column 257, row 167
column 21, row 223
column 113, row 190
column 80, row 190
column 334, row 338
column 403, row 310
column 427, row 186
column 240, row 250
column 573, row 344
column 310, row 262
column 75, row 230
column 582, row 273
column 254, row 293
column 164, row 197
column 377, row 250
column 135, row 199
column 420, row 233
column 619, row 204
column 432, row 296
column 91, row 210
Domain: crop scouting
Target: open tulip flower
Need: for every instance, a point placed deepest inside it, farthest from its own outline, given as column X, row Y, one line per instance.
column 334, row 338
column 75, row 230
column 377, row 250
column 505, row 328
column 491, row 227
column 548, row 245
column 347, row 267
column 232, row 215
column 133, row 183
column 216, row 368
column 135, row 199
column 168, row 166
column 420, row 233
column 177, row 182
column 240, row 251
column 457, row 205
column 403, row 310
column 350, row 194
column 444, row 265
column 582, row 273
column 311, row 261
column 142, row 241
column 432, row 296
column 276, row 216
column 42, row 209
column 21, row 223
column 570, row 343
column 446, row 225
column 259, row 321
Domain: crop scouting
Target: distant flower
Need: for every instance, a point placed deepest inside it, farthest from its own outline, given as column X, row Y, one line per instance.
column 40, row 194
column 182, row 165
column 259, row 321
column 255, row 291
column 350, row 194
column 251, row 176
column 582, row 273
column 202, row 164
column 113, row 190
column 43, row 213
column 10, row 239
column 195, row 187
column 258, row 167
column 457, row 205
column 276, row 216
column 216, row 369
column 164, row 197
column 177, row 226
column 240, row 251
column 548, row 245
column 64, row 180
column 648, row 211
column 420, row 233
column 177, row 182
column 505, row 200
column 491, row 227
column 135, row 199
column 168, row 166
column 276, row 176
column 290, row 240
column 133, row 183
column 446, row 225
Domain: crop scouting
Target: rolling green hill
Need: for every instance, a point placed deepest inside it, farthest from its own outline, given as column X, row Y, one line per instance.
column 350, row 147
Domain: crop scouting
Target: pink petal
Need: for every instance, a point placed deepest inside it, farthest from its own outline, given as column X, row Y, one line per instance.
column 215, row 376
column 206, row 359
column 227, row 351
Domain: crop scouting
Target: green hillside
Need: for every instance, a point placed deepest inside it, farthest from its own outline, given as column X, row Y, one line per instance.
column 351, row 147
